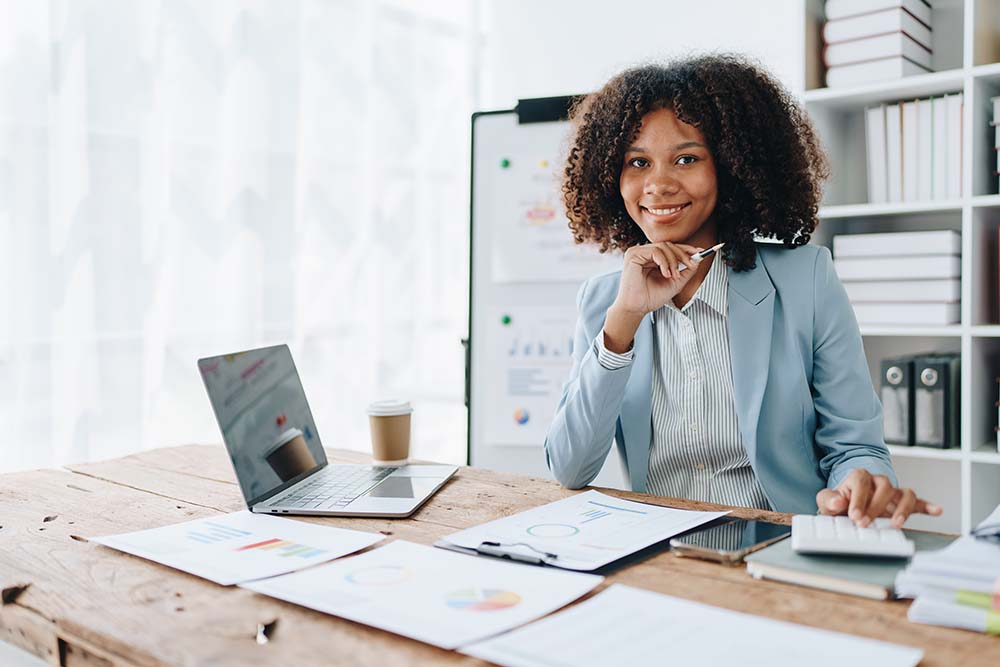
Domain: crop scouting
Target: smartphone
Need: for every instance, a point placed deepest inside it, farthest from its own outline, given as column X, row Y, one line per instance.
column 729, row 539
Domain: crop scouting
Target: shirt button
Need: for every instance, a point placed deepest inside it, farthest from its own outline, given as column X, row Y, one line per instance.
column 693, row 375
column 699, row 466
column 694, row 427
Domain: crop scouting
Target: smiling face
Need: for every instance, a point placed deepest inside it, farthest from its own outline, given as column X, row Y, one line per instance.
column 668, row 181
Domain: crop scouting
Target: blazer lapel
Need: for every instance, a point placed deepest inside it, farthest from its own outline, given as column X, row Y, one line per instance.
column 637, row 406
column 751, row 316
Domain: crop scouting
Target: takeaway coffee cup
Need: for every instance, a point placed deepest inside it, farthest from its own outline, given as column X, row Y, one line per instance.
column 390, row 428
column 289, row 455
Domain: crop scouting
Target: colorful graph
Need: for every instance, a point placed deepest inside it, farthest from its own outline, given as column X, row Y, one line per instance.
column 283, row 548
column 552, row 530
column 210, row 532
column 381, row 575
column 483, row 599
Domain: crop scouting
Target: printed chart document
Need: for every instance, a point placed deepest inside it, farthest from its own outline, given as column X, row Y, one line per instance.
column 629, row 626
column 233, row 548
column 436, row 597
column 583, row 532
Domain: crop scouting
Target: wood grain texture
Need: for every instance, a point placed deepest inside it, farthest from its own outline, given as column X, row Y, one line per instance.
column 89, row 605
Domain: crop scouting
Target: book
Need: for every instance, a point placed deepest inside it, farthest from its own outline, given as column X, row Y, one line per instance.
column 881, row 22
column 953, row 104
column 865, row 577
column 875, row 70
column 839, row 9
column 877, row 47
column 915, row 267
column 906, row 291
column 875, row 140
column 910, row 158
column 907, row 313
column 925, row 143
column 896, row 244
column 894, row 151
column 939, row 150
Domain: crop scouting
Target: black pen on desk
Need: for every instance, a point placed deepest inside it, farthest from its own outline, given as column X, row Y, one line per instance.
column 702, row 255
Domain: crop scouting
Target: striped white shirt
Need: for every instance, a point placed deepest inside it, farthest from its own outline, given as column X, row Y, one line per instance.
column 696, row 451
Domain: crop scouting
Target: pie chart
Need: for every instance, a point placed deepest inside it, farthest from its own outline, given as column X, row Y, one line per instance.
column 483, row 599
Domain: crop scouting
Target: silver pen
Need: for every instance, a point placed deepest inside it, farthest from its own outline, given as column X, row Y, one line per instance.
column 702, row 255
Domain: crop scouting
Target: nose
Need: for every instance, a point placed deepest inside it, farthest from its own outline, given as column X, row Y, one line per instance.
column 661, row 182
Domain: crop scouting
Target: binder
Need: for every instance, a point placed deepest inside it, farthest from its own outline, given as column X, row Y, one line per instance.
column 875, row 131
column 935, row 401
column 896, row 392
column 897, row 244
column 899, row 268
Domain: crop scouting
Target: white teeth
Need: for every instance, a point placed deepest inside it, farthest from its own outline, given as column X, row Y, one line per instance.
column 664, row 211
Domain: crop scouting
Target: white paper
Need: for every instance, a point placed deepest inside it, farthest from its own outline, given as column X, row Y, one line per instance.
column 585, row 531
column 434, row 596
column 241, row 546
column 530, row 358
column 629, row 626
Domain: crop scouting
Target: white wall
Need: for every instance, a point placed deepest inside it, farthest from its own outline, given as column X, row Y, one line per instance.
column 540, row 48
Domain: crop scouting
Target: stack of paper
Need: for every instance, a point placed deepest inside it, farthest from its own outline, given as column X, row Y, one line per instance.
column 915, row 150
column 876, row 40
column 902, row 278
column 958, row 586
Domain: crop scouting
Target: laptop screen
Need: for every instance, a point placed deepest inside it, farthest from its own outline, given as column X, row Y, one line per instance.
column 264, row 418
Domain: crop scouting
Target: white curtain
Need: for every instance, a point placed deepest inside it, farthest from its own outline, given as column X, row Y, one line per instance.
column 182, row 178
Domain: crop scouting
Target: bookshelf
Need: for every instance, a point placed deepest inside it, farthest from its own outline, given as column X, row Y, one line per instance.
column 965, row 481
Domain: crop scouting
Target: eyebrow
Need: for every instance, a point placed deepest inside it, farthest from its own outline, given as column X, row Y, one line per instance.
column 678, row 147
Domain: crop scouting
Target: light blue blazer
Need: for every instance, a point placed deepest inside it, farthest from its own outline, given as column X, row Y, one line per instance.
column 805, row 404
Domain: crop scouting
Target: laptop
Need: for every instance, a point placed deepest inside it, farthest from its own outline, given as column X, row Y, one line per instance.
column 276, row 451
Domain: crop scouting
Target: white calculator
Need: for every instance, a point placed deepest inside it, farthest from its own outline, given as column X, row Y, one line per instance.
column 818, row 534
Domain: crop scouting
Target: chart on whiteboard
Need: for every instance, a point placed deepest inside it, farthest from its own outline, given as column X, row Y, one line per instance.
column 531, row 239
column 530, row 356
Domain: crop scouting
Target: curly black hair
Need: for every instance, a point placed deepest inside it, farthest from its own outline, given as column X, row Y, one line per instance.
column 769, row 163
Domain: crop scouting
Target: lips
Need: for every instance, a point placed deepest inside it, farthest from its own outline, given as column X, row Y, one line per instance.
column 665, row 213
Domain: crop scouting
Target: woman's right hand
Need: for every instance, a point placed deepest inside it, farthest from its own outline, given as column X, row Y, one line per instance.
column 649, row 280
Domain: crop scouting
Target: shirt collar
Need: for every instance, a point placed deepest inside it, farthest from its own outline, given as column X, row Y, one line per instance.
column 712, row 290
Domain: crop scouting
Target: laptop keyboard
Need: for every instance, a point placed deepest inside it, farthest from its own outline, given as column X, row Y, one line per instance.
column 335, row 487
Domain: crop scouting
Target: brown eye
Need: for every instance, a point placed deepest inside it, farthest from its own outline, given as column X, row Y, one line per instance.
column 638, row 162
column 686, row 159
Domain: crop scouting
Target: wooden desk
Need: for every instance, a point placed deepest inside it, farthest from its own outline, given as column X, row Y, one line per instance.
column 85, row 604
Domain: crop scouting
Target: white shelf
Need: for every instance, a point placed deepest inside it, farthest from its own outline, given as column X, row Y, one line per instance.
column 986, row 454
column 986, row 201
column 951, row 330
column 903, row 451
column 966, row 479
column 852, row 98
column 890, row 208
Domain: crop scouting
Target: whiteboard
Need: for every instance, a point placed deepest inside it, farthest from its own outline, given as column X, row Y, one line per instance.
column 524, row 276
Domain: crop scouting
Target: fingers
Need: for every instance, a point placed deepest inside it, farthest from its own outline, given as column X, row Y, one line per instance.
column 884, row 493
column 904, row 507
column 859, row 487
column 683, row 256
column 831, row 502
column 665, row 260
column 924, row 507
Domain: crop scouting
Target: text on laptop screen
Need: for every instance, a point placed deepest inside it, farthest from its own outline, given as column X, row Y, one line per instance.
column 264, row 418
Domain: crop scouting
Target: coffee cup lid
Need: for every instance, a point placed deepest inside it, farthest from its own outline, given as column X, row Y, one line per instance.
column 389, row 408
column 288, row 434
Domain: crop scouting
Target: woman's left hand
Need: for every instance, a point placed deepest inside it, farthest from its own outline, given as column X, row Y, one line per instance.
column 863, row 497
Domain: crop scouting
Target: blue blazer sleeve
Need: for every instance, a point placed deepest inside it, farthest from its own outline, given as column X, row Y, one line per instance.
column 583, row 429
column 849, row 431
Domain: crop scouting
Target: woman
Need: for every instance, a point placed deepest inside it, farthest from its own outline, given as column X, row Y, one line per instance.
column 740, row 379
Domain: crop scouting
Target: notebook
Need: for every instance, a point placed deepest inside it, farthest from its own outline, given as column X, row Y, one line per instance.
column 865, row 577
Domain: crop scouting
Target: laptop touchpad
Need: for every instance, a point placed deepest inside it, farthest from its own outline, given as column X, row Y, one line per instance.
column 393, row 487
